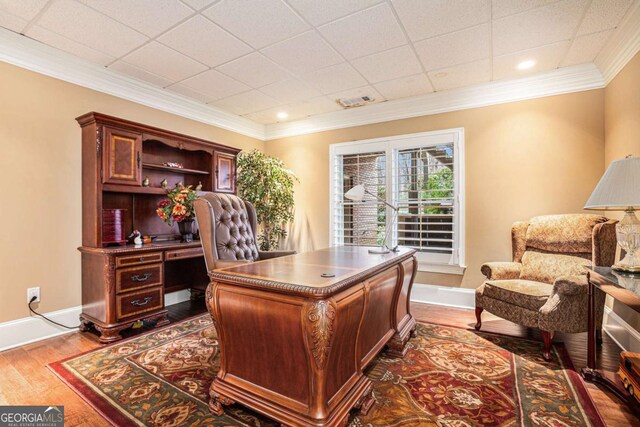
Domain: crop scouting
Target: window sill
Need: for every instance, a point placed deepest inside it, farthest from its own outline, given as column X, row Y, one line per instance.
column 425, row 267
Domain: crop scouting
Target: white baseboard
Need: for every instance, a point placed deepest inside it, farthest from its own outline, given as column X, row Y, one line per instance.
column 177, row 297
column 620, row 331
column 30, row 329
column 443, row 295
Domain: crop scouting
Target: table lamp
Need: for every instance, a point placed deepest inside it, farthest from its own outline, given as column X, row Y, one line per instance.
column 619, row 190
column 356, row 194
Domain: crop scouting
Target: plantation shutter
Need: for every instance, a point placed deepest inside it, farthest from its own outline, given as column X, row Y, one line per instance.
column 426, row 198
column 360, row 223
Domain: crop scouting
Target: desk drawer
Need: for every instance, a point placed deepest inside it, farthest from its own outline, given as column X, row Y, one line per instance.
column 145, row 258
column 134, row 303
column 184, row 253
column 143, row 276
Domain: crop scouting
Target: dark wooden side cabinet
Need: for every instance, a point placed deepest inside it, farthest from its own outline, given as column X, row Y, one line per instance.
column 122, row 284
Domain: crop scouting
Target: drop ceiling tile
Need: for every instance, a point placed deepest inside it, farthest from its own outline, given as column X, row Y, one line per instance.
column 366, row 32
column 335, row 78
column 354, row 93
column 12, row 22
column 190, row 93
column 52, row 39
column 388, row 65
column 290, row 90
column 303, row 54
column 502, row 8
column 84, row 25
column 247, row 102
column 257, row 22
column 254, row 70
column 199, row 4
column 404, row 87
column 313, row 106
column 603, row 15
column 546, row 58
column 204, row 41
column 139, row 73
column 215, row 85
column 424, row 19
column 461, row 75
column 586, row 48
column 165, row 62
column 24, row 9
column 544, row 25
column 321, row 12
column 471, row 44
column 150, row 17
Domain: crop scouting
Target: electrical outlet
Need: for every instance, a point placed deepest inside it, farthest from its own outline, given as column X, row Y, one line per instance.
column 33, row 292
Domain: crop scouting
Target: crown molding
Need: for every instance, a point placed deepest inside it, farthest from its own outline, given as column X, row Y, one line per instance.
column 623, row 46
column 562, row 80
column 27, row 53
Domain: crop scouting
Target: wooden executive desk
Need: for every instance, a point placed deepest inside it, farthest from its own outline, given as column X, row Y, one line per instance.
column 294, row 343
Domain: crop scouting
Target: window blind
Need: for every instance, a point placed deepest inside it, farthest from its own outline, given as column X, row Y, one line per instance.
column 360, row 223
column 426, row 198
column 418, row 173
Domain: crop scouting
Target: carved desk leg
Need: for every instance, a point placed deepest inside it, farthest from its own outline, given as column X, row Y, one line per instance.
column 217, row 402
column 85, row 325
column 366, row 401
column 108, row 335
column 397, row 345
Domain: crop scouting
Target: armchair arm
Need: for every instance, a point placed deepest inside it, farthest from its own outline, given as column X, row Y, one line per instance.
column 571, row 285
column 501, row 270
column 274, row 254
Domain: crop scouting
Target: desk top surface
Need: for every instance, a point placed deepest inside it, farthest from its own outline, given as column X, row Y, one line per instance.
column 303, row 272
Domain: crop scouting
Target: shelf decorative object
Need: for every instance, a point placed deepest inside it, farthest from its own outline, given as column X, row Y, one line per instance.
column 178, row 208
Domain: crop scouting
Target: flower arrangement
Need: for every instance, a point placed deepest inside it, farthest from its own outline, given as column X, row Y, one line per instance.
column 178, row 206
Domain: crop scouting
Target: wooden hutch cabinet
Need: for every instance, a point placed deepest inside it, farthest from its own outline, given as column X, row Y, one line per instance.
column 123, row 284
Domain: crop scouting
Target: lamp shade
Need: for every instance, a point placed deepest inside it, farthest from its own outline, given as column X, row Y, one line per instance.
column 619, row 187
column 356, row 193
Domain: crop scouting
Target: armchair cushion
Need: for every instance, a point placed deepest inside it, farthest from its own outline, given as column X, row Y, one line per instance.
column 501, row 270
column 274, row 254
column 527, row 294
column 545, row 267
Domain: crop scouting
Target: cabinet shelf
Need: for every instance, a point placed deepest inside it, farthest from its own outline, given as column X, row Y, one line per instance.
column 174, row 170
column 115, row 188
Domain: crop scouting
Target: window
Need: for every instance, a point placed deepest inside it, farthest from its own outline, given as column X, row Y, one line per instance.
column 421, row 174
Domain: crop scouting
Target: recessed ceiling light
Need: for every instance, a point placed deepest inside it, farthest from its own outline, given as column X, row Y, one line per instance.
column 525, row 65
column 282, row 115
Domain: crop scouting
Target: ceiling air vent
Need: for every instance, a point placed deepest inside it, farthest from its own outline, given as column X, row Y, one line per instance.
column 355, row 102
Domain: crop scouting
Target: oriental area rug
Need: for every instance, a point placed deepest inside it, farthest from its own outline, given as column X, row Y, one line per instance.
column 450, row 377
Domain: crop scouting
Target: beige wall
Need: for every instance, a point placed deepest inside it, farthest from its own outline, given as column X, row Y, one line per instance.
column 622, row 133
column 523, row 159
column 40, row 173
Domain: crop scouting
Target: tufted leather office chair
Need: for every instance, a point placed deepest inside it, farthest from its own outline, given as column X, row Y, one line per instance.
column 227, row 230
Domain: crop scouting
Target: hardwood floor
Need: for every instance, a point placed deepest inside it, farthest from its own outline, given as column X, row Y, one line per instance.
column 26, row 380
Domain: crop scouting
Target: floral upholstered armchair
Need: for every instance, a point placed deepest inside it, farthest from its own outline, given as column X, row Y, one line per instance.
column 545, row 286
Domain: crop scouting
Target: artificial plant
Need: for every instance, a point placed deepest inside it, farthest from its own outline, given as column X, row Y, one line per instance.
column 266, row 183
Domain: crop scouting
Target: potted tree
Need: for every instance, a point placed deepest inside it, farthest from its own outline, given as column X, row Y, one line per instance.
column 266, row 183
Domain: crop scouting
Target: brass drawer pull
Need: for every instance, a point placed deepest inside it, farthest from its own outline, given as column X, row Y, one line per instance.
column 141, row 258
column 144, row 302
column 144, row 277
